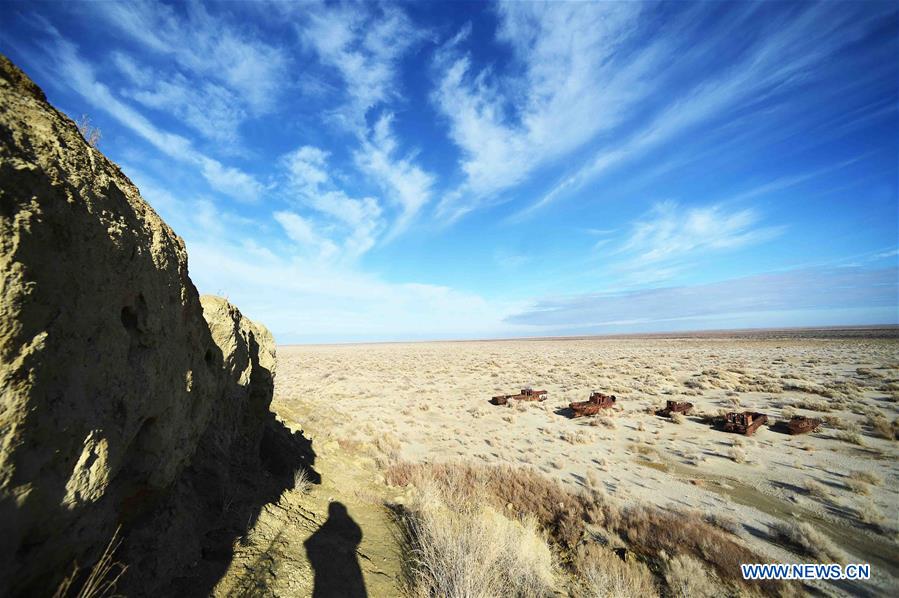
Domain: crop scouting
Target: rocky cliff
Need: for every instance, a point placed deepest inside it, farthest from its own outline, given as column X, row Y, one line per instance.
column 120, row 404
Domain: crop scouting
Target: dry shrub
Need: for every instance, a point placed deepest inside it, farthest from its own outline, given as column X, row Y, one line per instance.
column 723, row 522
column 301, row 480
column 869, row 514
column 737, row 455
column 576, row 437
column 840, row 423
column 678, row 418
column 850, row 437
column 812, row 405
column 605, row 421
column 529, row 492
column 90, row 133
column 815, row 488
column 605, row 575
column 461, row 548
column 686, row 577
column 807, row 540
column 857, row 486
column 103, row 577
column 868, row 477
column 882, row 427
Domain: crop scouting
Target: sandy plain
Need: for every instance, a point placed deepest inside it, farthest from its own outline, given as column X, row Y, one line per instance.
column 429, row 402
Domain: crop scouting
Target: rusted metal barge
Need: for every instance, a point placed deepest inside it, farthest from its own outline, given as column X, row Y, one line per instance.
column 593, row 405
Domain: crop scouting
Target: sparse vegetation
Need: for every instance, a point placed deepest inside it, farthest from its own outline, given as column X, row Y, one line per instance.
column 301, row 480
column 654, row 535
column 686, row 577
column 807, row 540
column 90, row 133
column 607, row 576
column 867, row 477
column 103, row 576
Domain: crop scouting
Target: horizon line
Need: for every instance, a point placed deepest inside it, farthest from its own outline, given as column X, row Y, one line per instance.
column 614, row 335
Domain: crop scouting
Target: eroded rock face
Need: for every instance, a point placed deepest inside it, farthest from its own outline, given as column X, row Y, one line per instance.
column 111, row 381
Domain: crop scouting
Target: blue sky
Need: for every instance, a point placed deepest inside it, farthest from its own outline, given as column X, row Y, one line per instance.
column 360, row 171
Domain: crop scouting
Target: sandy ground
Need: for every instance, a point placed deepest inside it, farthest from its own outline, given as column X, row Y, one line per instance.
column 429, row 402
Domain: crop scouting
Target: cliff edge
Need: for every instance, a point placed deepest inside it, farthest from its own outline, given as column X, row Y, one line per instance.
column 126, row 401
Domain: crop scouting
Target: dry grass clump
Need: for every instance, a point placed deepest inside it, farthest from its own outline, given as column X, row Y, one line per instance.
column 576, row 437
column 462, row 548
column 603, row 420
column 723, row 522
column 686, row 577
column 850, row 437
column 103, row 576
column 529, row 492
column 301, row 480
column 605, row 575
column 867, row 477
column 815, row 488
column 678, row 418
column 737, row 455
column 812, row 405
column 869, row 514
column 807, row 540
column 840, row 423
column 882, row 427
column 858, row 487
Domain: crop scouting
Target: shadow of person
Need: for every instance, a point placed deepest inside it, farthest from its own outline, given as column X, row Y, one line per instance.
column 332, row 554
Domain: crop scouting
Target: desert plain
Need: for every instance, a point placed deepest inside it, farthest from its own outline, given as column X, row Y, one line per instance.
column 429, row 403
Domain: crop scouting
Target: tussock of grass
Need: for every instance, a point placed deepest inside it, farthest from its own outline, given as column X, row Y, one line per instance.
column 455, row 546
column 686, row 577
column 815, row 489
column 850, row 437
column 301, row 481
column 737, row 455
column 103, row 576
column 807, row 541
column 605, row 575
column 881, row 427
column 868, row 477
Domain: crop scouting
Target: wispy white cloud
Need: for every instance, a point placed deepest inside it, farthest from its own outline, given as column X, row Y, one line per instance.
column 365, row 44
column 302, row 231
column 359, row 220
column 576, row 80
column 70, row 69
column 404, row 183
column 204, row 44
column 785, row 54
column 208, row 108
column 670, row 233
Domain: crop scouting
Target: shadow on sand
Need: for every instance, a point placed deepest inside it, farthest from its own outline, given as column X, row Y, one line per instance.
column 332, row 553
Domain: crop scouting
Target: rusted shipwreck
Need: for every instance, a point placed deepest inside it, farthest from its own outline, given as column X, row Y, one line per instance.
column 526, row 394
column 593, row 405
column 745, row 423
column 682, row 407
column 799, row 424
